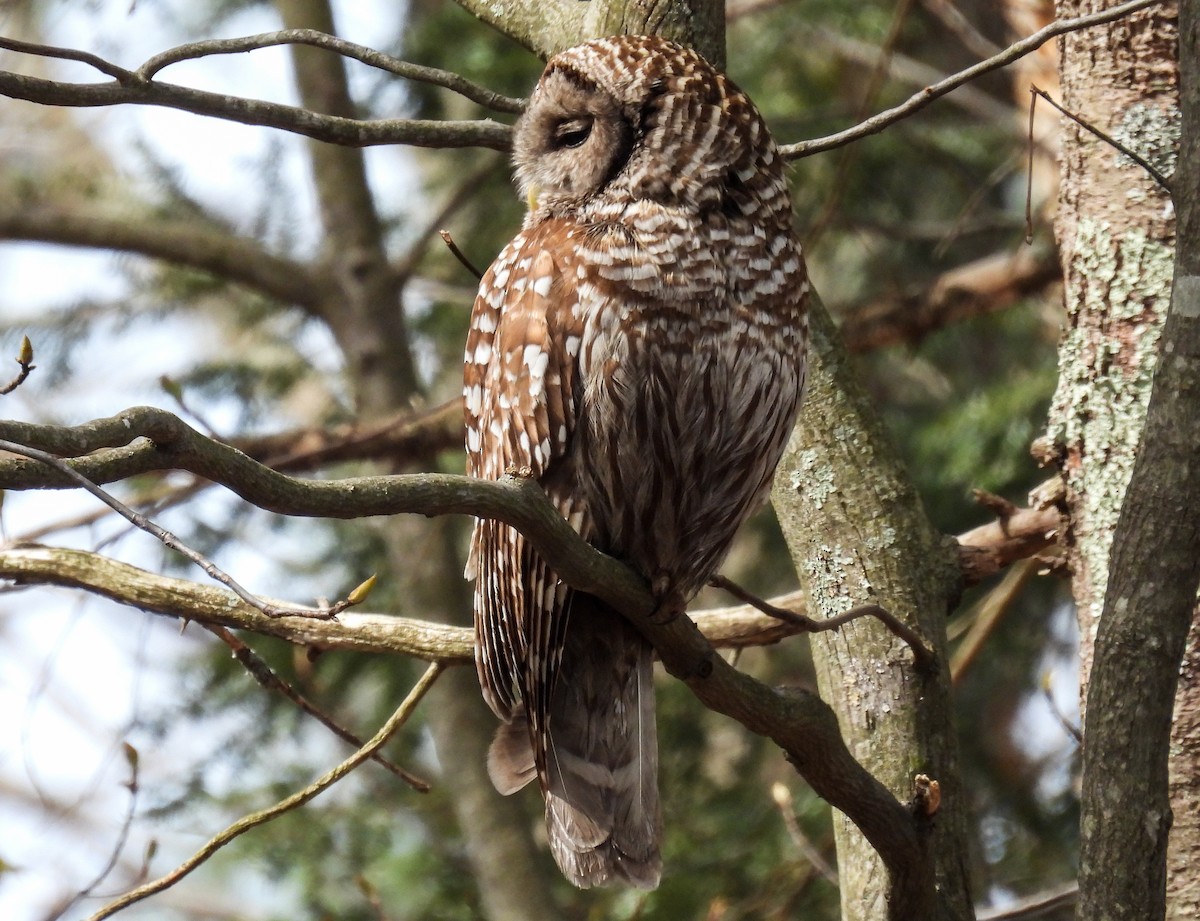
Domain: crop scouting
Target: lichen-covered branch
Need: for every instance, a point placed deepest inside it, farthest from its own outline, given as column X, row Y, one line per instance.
column 732, row 628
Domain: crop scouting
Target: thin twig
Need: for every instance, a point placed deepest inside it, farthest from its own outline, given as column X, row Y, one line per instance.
column 444, row 78
column 265, row 676
column 131, row 758
column 130, row 89
column 1108, row 139
column 923, row 656
column 191, row 51
column 459, row 254
column 1048, row 695
column 467, row 189
column 324, row 612
column 1029, row 173
column 25, row 360
column 244, row 824
column 787, row 811
column 120, row 74
column 920, row 100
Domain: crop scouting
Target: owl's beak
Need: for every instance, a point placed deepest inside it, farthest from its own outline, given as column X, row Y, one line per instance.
column 531, row 196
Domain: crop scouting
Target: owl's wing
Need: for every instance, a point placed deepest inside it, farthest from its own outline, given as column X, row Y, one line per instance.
column 521, row 400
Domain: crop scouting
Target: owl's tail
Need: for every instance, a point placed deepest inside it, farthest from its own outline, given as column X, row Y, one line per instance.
column 600, row 772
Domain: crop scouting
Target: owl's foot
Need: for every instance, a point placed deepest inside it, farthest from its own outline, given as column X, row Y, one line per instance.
column 665, row 613
column 670, row 602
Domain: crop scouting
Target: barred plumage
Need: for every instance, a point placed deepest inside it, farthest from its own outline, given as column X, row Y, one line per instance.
column 639, row 347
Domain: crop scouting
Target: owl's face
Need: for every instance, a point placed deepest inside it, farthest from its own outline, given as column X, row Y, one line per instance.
column 638, row 118
column 571, row 141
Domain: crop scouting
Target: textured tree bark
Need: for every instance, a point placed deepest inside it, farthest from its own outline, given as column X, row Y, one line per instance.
column 1116, row 236
column 1183, row 846
column 367, row 320
column 1151, row 592
column 1116, row 233
column 858, row 534
column 546, row 27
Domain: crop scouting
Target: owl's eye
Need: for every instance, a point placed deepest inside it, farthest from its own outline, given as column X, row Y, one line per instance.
column 572, row 133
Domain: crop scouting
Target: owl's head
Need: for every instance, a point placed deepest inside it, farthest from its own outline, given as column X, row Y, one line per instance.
column 634, row 117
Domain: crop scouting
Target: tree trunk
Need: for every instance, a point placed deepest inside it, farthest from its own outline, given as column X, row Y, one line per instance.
column 1116, row 235
column 858, row 535
column 1151, row 592
column 1183, row 847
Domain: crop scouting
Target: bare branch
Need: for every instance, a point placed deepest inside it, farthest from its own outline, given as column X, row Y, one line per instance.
column 733, row 628
column 296, row 800
column 213, row 606
column 459, row 254
column 983, row 286
column 1133, row 155
column 66, row 54
column 261, row 672
column 169, row 539
column 923, row 657
column 350, row 132
column 986, row 550
column 798, row 721
column 238, row 259
column 432, row 75
column 920, row 100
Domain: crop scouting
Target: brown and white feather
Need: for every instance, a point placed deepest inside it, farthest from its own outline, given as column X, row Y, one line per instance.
column 638, row 348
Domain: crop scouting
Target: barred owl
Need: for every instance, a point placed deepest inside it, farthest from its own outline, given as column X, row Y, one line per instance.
column 639, row 347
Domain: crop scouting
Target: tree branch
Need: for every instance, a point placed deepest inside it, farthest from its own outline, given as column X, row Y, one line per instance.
column 29, row 565
column 130, row 88
column 921, row 99
column 238, row 259
column 444, row 78
column 296, row 800
column 145, row 439
column 407, row 436
column 983, row 286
